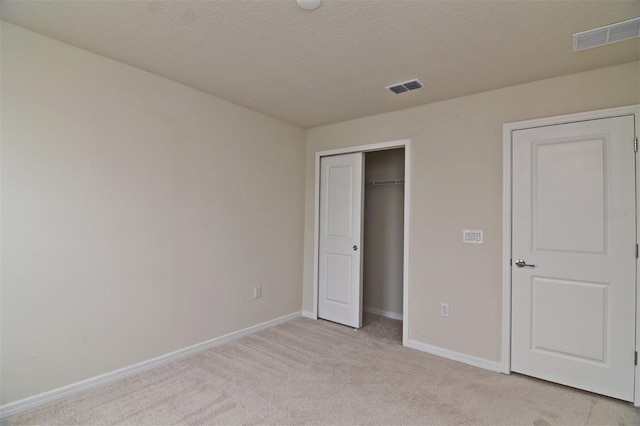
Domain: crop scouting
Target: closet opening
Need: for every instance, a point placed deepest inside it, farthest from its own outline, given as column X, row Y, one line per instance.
column 383, row 240
column 361, row 238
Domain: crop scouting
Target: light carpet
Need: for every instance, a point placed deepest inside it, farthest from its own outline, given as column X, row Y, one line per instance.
column 317, row 372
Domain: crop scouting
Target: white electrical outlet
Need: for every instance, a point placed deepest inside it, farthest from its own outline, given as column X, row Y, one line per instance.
column 257, row 292
column 444, row 310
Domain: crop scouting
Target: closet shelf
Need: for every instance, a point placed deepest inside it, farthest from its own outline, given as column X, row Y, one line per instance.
column 385, row 182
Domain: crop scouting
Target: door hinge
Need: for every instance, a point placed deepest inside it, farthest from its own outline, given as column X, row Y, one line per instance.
column 636, row 251
column 635, row 359
column 635, row 144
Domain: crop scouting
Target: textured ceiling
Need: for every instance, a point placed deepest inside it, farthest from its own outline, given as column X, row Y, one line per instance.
column 332, row 64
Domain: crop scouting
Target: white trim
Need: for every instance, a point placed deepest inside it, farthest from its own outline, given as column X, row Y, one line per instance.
column 309, row 314
column 506, row 250
column 455, row 356
column 572, row 118
column 382, row 313
column 103, row 379
column 407, row 235
column 380, row 146
column 636, row 399
column 508, row 129
column 316, row 239
column 402, row 143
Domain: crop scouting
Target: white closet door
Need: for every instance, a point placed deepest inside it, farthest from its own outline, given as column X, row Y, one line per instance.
column 574, row 255
column 341, row 224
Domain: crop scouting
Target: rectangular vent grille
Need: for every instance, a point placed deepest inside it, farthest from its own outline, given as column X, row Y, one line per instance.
column 405, row 87
column 606, row 35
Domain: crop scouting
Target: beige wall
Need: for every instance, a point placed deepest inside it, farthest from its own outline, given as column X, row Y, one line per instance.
column 383, row 232
column 137, row 215
column 456, row 175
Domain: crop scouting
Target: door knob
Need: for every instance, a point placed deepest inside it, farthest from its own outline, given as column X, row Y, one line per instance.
column 521, row 264
column 355, row 248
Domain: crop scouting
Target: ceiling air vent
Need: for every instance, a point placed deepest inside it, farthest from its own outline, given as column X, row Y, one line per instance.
column 405, row 87
column 606, row 35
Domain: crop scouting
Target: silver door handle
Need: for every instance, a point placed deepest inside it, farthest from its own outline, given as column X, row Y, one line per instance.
column 521, row 264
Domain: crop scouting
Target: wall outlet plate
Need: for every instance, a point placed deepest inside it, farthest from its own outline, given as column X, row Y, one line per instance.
column 257, row 292
column 444, row 310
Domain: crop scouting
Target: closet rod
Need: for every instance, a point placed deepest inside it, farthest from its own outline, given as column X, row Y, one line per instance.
column 386, row 182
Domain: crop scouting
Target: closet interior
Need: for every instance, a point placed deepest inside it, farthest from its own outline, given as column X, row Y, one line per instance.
column 383, row 233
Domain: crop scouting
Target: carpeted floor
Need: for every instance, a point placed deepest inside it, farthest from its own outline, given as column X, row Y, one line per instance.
column 317, row 372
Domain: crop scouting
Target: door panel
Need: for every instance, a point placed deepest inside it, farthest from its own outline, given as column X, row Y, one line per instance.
column 339, row 275
column 340, row 253
column 568, row 195
column 340, row 201
column 573, row 309
column 550, row 328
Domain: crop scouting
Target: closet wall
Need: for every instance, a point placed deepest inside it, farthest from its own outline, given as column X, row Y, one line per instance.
column 383, row 233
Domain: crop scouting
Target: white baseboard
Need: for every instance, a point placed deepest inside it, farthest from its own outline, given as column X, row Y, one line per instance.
column 309, row 314
column 103, row 379
column 387, row 314
column 455, row 356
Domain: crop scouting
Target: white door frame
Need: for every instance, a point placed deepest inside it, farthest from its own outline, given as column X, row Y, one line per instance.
column 382, row 146
column 508, row 130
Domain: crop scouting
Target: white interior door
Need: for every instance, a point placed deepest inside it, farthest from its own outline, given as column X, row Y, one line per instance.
column 574, row 225
column 340, row 253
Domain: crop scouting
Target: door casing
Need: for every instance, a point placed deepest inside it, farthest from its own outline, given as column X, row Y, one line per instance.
column 402, row 143
column 632, row 110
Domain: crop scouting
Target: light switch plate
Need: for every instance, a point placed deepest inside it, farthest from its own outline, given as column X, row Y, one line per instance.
column 472, row 236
